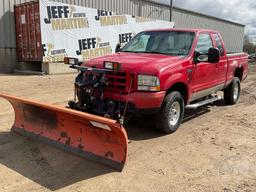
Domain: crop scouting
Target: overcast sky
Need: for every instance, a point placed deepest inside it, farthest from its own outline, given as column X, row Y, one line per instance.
column 241, row 11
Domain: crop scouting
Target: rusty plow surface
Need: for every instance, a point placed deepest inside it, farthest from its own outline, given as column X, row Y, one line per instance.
column 96, row 138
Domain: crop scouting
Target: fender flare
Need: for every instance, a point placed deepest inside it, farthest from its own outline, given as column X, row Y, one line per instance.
column 177, row 78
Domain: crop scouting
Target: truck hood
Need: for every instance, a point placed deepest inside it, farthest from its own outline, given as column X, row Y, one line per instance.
column 146, row 63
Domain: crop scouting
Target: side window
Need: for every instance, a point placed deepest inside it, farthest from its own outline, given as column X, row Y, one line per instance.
column 204, row 43
column 219, row 44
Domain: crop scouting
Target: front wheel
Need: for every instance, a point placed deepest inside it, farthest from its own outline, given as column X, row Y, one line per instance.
column 232, row 92
column 171, row 114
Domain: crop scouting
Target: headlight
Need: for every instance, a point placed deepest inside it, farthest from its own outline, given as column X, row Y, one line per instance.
column 148, row 83
column 112, row 65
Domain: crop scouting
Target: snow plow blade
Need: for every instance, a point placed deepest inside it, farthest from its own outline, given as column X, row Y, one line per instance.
column 93, row 137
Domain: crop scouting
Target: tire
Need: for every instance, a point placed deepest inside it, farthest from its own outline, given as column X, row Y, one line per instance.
column 173, row 103
column 232, row 92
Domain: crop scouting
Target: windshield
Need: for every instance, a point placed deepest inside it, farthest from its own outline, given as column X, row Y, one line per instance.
column 161, row 42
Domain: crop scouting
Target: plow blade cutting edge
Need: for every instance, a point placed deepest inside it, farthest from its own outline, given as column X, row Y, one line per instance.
column 96, row 138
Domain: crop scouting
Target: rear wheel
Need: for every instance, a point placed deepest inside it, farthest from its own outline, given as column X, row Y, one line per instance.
column 232, row 92
column 171, row 114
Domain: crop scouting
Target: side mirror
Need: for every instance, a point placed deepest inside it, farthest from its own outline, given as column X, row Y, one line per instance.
column 199, row 57
column 213, row 55
column 118, row 47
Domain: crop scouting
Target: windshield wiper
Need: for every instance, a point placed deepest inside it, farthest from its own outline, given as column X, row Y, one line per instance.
column 171, row 54
column 143, row 52
column 156, row 52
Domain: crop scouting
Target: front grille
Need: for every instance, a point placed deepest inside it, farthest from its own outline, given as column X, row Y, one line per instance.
column 119, row 81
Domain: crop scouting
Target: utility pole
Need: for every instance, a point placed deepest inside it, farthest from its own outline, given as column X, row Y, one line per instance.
column 171, row 7
column 140, row 6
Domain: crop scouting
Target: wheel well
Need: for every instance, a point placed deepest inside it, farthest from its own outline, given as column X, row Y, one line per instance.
column 180, row 87
column 239, row 73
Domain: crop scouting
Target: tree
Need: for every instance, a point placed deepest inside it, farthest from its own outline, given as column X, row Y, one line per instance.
column 249, row 47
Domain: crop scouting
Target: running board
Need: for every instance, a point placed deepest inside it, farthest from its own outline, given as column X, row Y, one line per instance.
column 202, row 103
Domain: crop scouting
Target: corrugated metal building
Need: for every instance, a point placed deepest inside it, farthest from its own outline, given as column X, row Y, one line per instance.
column 232, row 32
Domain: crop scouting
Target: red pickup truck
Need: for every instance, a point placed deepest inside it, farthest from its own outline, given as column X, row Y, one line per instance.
column 161, row 72
column 158, row 72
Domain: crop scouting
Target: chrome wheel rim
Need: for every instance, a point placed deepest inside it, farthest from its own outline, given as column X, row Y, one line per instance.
column 174, row 113
column 236, row 92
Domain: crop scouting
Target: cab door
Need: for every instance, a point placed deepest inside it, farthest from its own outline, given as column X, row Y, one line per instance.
column 222, row 65
column 204, row 78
